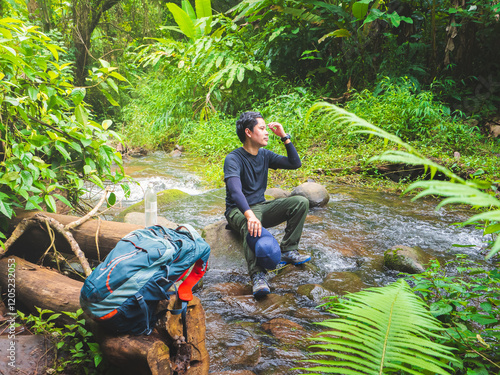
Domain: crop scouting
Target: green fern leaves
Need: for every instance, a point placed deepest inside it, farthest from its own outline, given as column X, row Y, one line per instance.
column 381, row 330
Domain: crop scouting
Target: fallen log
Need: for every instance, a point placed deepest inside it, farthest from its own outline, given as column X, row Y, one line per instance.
column 52, row 226
column 39, row 286
column 95, row 237
column 47, row 289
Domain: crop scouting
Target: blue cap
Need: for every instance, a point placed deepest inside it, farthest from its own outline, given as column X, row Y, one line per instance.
column 266, row 249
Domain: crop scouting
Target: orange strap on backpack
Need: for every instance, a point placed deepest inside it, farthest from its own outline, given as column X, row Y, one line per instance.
column 185, row 290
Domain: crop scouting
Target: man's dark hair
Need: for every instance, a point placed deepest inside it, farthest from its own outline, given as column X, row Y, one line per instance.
column 246, row 120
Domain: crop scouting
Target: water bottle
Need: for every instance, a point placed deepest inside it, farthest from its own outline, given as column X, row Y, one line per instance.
column 150, row 206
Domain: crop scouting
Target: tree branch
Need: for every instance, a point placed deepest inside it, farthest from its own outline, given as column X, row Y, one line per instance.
column 90, row 214
column 39, row 219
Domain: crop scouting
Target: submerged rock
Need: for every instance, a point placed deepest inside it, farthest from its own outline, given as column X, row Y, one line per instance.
column 310, row 315
column 229, row 289
column 286, row 331
column 290, row 277
column 231, row 345
column 314, row 292
column 316, row 194
column 406, row 259
column 341, row 283
column 268, row 307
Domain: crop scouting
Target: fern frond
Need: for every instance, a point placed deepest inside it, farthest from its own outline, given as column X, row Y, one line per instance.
column 380, row 329
column 457, row 193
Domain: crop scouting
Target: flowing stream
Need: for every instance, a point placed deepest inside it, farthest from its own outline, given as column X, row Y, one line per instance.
column 347, row 239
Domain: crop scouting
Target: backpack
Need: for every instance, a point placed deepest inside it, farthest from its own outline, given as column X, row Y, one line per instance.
column 123, row 292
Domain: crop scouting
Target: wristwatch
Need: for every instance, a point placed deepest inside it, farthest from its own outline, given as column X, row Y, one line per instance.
column 283, row 139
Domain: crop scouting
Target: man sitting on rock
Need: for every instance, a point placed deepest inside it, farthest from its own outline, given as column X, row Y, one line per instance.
column 247, row 211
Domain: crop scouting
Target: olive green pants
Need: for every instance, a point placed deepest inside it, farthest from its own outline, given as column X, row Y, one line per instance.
column 293, row 210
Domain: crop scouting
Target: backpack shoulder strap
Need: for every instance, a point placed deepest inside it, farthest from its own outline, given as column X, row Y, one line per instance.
column 189, row 229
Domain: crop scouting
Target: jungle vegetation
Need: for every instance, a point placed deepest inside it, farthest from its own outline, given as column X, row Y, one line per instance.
column 79, row 77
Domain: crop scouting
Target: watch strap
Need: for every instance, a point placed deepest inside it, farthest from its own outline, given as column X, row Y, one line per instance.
column 283, row 139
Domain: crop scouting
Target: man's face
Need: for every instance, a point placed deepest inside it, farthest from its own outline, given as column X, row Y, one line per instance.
column 259, row 135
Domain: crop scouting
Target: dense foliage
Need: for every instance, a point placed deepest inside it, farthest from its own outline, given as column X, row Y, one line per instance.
column 50, row 144
column 466, row 302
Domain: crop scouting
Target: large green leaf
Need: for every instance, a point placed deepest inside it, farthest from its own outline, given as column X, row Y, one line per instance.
column 50, row 202
column 183, row 20
column 81, row 114
column 5, row 208
column 360, row 8
column 188, row 8
column 203, row 8
column 381, row 330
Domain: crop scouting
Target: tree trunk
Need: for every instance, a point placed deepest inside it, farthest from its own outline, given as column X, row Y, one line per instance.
column 47, row 289
column 461, row 41
column 86, row 16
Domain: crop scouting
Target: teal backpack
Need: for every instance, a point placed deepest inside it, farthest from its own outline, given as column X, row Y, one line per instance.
column 123, row 292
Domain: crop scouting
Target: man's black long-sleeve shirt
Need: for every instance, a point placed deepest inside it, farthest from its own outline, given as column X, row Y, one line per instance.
column 246, row 174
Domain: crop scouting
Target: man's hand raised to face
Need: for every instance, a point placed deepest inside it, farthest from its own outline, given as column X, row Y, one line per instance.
column 277, row 129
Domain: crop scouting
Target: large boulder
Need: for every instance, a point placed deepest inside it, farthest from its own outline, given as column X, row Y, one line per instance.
column 226, row 246
column 406, row 259
column 316, row 194
column 277, row 193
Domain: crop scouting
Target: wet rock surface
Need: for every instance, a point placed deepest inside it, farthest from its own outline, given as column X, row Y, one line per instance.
column 406, row 259
column 314, row 292
column 286, row 331
column 340, row 283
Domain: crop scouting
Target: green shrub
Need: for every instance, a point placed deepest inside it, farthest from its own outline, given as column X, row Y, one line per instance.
column 161, row 108
column 467, row 303
column 49, row 139
column 400, row 108
column 76, row 350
